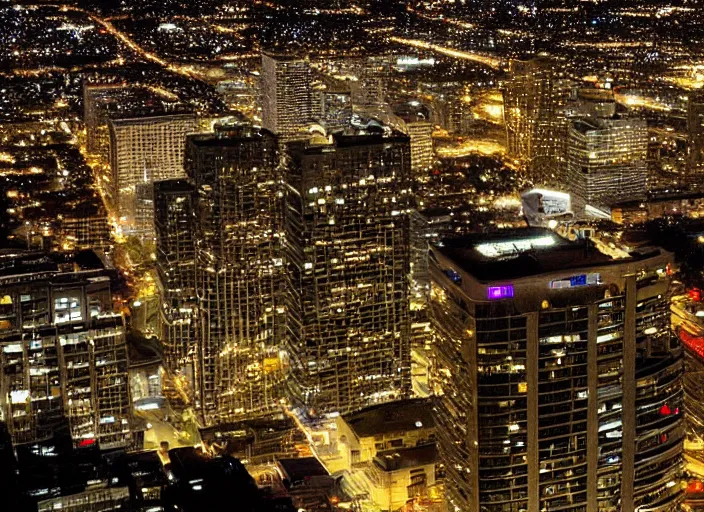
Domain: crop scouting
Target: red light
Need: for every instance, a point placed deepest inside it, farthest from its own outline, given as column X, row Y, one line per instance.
column 665, row 410
column 86, row 442
column 695, row 294
column 695, row 487
column 694, row 343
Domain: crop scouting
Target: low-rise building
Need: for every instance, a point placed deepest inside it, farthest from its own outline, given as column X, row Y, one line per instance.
column 394, row 425
column 398, row 476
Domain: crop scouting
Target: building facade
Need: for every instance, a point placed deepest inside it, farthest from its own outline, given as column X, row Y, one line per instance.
column 562, row 380
column 287, row 95
column 144, row 150
column 347, row 239
column 695, row 132
column 534, row 115
column 64, row 354
column 607, row 160
column 239, row 270
column 174, row 223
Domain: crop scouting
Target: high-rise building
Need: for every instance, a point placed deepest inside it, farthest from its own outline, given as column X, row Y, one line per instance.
column 607, row 160
column 174, row 223
column 287, row 101
column 561, row 379
column 64, row 354
column 534, row 102
column 695, row 129
column 144, row 150
column 416, row 124
column 97, row 99
column 239, row 270
column 105, row 101
column 347, row 239
column 372, row 73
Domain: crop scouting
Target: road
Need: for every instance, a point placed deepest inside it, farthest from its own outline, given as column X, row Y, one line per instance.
column 469, row 147
column 161, row 431
column 491, row 62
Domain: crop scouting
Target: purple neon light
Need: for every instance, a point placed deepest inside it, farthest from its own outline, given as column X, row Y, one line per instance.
column 500, row 292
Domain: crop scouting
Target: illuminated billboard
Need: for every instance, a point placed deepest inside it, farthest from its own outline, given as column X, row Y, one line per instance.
column 499, row 292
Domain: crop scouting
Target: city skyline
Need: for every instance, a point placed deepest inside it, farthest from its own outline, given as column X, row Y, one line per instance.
column 406, row 256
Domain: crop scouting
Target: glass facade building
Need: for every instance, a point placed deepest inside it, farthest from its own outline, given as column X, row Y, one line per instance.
column 348, row 252
column 239, row 272
column 607, row 160
column 174, row 223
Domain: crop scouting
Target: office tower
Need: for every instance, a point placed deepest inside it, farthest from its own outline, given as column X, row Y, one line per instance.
column 695, row 129
column 239, row 270
column 105, row 101
column 97, row 100
column 64, row 355
column 287, row 104
column 561, row 377
column 347, row 239
column 174, row 225
column 422, row 155
column 415, row 122
column 144, row 150
column 372, row 73
column 607, row 160
column 144, row 209
column 534, row 102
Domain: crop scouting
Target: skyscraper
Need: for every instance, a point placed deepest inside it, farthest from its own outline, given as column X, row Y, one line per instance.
column 417, row 125
column 695, row 129
column 534, row 101
column 144, row 150
column 347, row 239
column 239, row 270
column 607, row 160
column 561, row 377
column 287, row 104
column 174, row 222
column 95, row 97
column 64, row 354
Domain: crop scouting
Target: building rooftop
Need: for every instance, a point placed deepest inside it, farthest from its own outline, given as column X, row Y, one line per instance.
column 397, row 416
column 174, row 185
column 403, row 458
column 229, row 135
column 298, row 470
column 19, row 262
column 513, row 254
column 162, row 118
